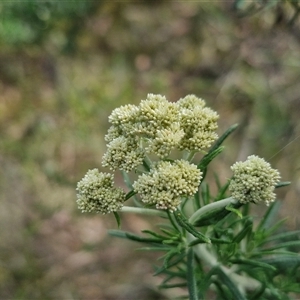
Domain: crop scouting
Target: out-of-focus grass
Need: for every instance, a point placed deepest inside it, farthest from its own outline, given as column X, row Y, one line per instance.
column 56, row 94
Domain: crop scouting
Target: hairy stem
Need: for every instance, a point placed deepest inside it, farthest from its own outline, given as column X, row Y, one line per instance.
column 144, row 211
column 243, row 283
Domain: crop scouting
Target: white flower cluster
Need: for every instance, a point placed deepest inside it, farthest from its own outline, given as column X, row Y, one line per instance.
column 198, row 122
column 167, row 182
column 96, row 193
column 253, row 181
column 158, row 126
column 123, row 153
column 155, row 126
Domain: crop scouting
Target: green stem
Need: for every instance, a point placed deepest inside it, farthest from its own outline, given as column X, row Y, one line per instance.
column 144, row 211
column 191, row 277
column 147, row 163
column 211, row 206
column 191, row 156
column 242, row 282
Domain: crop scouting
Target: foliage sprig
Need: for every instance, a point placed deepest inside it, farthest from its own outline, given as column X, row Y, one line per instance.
column 209, row 242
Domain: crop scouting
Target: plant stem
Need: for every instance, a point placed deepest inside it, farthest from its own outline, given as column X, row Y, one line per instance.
column 144, row 211
column 243, row 283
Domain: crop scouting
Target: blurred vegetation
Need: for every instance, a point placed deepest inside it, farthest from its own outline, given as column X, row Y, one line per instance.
column 64, row 65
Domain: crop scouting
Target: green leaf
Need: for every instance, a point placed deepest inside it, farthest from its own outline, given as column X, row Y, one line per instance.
column 283, row 261
column 247, row 229
column 174, row 285
column 269, row 216
column 191, row 278
column 169, row 264
column 222, row 191
column 283, row 245
column 127, row 180
column 182, row 221
column 220, row 241
column 254, row 263
column 215, row 215
column 258, row 293
column 224, row 136
column 130, row 194
column 205, row 194
column 262, row 253
column 282, row 184
column 128, row 183
column 172, row 221
column 206, row 159
column 146, row 164
column 281, row 236
column 196, row 199
column 223, row 291
column 160, row 248
column 217, row 180
column 168, row 256
column 118, row 219
column 213, row 241
column 230, row 285
column 170, row 233
column 236, row 211
column 275, row 226
column 133, row 237
column 154, row 234
column 196, row 242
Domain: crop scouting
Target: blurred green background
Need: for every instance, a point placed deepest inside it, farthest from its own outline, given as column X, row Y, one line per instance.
column 64, row 65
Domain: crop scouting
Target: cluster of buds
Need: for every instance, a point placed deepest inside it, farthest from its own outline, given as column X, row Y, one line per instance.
column 155, row 128
column 253, row 181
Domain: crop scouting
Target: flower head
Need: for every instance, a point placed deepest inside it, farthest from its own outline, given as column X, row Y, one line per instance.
column 96, row 193
column 253, row 181
column 157, row 126
column 165, row 140
column 123, row 153
column 198, row 122
column 156, row 113
column 124, row 114
column 167, row 182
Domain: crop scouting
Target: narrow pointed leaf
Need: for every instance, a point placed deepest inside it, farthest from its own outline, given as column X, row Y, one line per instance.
column 236, row 211
column 130, row 194
column 174, row 285
column 154, row 234
column 118, row 219
column 247, row 229
column 224, row 136
column 160, row 248
column 171, row 264
column 253, row 263
column 282, row 184
column 283, row 261
column 222, row 191
column 284, row 245
column 182, row 221
column 204, row 162
column 269, row 216
column 258, row 293
column 133, row 237
column 230, row 285
column 282, row 236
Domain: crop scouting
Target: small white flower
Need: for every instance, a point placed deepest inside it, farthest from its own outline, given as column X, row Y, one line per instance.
column 96, row 193
column 254, row 181
column 167, row 182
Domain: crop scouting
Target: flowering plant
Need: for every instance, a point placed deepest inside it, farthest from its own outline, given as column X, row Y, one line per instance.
column 210, row 242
